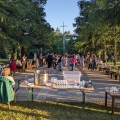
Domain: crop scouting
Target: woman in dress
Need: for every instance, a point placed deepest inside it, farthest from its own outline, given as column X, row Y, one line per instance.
column 13, row 67
column 60, row 63
column 6, row 74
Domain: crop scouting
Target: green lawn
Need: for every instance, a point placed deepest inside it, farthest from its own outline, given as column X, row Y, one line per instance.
column 58, row 111
column 4, row 61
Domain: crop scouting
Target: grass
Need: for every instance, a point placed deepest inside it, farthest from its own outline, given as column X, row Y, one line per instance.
column 111, row 63
column 58, row 111
column 4, row 61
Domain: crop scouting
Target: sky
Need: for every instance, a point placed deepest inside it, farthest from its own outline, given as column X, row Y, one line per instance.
column 59, row 11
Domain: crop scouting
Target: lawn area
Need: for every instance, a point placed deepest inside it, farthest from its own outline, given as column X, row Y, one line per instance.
column 57, row 111
column 4, row 61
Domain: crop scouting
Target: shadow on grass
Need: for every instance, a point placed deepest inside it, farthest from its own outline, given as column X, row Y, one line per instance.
column 64, row 111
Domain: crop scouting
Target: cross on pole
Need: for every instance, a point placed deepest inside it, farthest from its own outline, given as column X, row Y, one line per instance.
column 63, row 37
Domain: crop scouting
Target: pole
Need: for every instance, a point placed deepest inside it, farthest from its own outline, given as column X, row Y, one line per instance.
column 63, row 37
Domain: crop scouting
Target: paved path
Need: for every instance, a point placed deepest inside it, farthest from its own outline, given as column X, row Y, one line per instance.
column 98, row 95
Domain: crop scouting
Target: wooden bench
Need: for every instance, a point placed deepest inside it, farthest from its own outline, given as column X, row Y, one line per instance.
column 72, row 76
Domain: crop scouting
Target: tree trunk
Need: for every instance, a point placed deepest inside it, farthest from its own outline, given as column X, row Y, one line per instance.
column 104, row 55
column 115, row 52
column 22, row 51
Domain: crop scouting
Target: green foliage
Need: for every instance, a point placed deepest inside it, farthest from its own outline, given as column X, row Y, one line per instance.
column 22, row 22
column 96, row 27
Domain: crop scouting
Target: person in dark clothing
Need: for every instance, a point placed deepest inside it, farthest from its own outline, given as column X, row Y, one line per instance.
column 90, row 65
column 40, row 60
column 50, row 60
column 60, row 63
column 94, row 63
column 55, row 60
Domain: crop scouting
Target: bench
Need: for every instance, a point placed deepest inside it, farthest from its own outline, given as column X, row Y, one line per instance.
column 72, row 76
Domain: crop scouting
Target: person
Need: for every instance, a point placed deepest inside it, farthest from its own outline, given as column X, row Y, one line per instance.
column 6, row 74
column 112, row 58
column 7, row 87
column 24, row 61
column 97, row 62
column 50, row 60
column 13, row 67
column 66, row 60
column 73, row 61
column 104, row 65
column 34, row 63
column 37, row 63
column 55, row 60
column 60, row 63
column 90, row 63
column 94, row 63
column 9, row 56
column 40, row 60
column 82, row 62
column 19, row 65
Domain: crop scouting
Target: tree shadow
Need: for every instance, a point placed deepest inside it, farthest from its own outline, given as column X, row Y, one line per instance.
column 63, row 110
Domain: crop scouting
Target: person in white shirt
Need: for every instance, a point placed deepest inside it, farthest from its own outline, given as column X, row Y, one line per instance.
column 104, row 65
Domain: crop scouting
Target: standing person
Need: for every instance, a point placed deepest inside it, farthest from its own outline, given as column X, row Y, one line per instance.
column 19, row 65
column 37, row 63
column 6, row 74
column 63, row 61
column 73, row 61
column 82, row 62
column 13, row 67
column 9, row 56
column 60, row 63
column 66, row 60
column 6, row 84
column 24, row 61
column 55, row 60
column 50, row 60
column 94, row 63
column 90, row 63
column 112, row 58
column 40, row 60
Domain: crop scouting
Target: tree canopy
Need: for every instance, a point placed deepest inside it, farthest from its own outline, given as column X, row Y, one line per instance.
column 98, row 27
column 23, row 24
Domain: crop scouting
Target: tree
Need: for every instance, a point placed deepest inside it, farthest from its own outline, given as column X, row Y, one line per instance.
column 23, row 24
column 96, row 32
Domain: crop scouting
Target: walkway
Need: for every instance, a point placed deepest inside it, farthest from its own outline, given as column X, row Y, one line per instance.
column 98, row 95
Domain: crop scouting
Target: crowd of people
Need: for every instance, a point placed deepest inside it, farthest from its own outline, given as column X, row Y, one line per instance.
column 92, row 62
column 57, row 61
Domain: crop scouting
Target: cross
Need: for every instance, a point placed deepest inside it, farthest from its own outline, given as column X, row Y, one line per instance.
column 63, row 37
